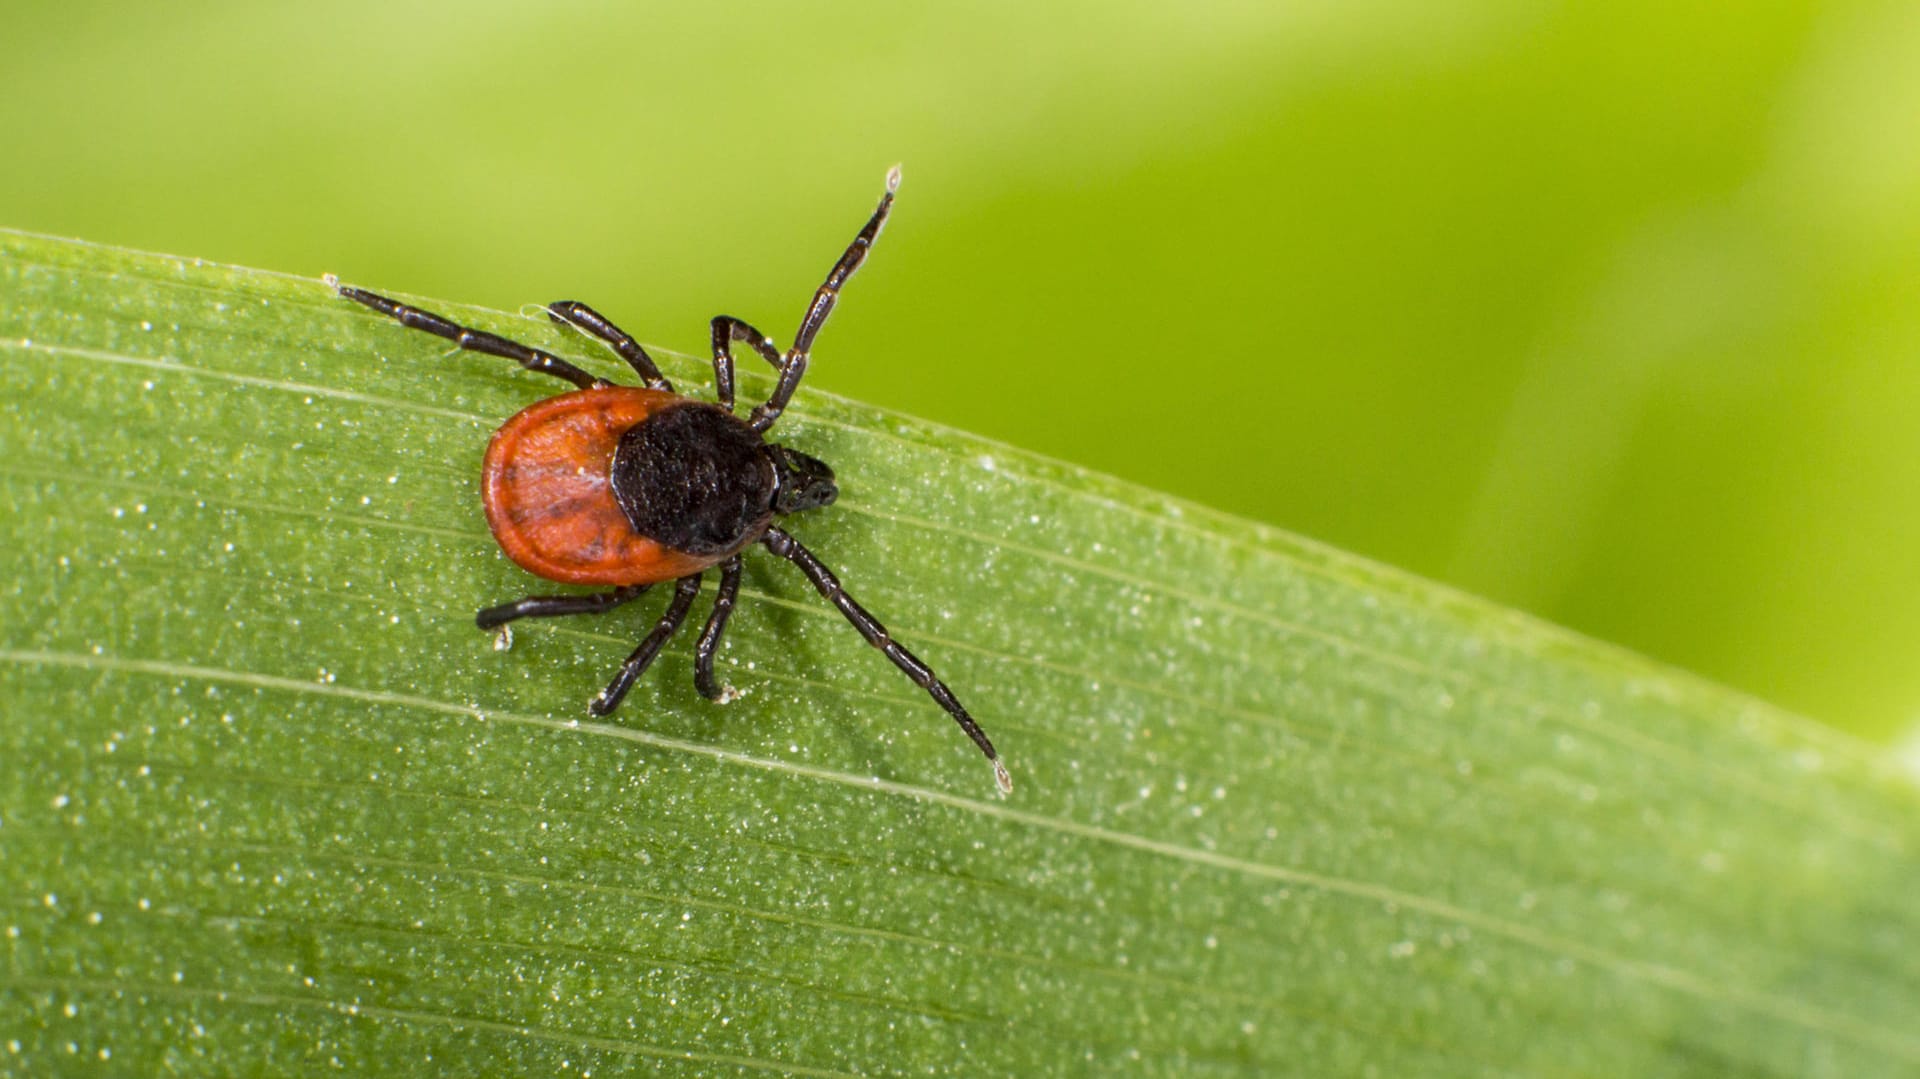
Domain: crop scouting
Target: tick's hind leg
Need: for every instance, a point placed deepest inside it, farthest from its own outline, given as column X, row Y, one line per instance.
column 637, row 663
column 473, row 340
column 579, row 315
column 876, row 634
column 716, row 625
column 555, row 606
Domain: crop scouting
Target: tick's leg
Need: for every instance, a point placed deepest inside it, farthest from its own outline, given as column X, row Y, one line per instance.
column 727, row 330
column 636, row 664
column 474, row 340
column 784, row 545
column 554, row 606
column 794, row 364
column 574, row 313
column 716, row 625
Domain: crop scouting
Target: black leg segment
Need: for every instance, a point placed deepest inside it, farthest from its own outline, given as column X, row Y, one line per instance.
column 579, row 315
column 473, row 340
column 554, row 606
column 637, row 663
column 726, row 331
column 784, row 545
column 794, row 365
column 723, row 601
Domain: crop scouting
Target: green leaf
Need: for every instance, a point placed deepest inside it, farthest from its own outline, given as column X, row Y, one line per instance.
column 270, row 803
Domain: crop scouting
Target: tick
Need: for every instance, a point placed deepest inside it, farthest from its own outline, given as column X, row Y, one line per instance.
column 627, row 487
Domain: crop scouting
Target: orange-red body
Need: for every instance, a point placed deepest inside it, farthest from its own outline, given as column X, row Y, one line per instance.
column 547, row 487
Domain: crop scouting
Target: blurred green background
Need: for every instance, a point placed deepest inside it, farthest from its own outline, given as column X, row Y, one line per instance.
column 1604, row 310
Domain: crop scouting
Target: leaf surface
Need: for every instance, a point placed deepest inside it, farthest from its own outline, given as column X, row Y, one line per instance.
column 269, row 802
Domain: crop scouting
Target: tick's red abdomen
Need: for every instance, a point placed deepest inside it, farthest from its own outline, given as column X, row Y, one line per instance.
column 548, row 494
